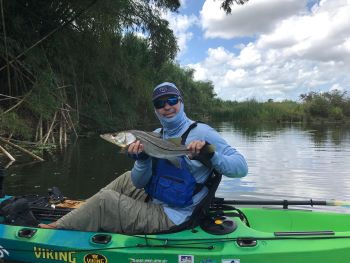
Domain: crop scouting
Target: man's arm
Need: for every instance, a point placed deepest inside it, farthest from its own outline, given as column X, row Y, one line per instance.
column 141, row 172
column 226, row 159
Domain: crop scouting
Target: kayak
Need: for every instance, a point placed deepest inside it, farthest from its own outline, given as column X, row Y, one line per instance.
column 231, row 235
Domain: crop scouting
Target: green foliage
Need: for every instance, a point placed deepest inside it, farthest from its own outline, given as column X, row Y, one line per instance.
column 333, row 105
column 319, row 107
column 96, row 69
column 43, row 100
column 226, row 4
column 336, row 113
column 98, row 73
column 251, row 110
column 11, row 123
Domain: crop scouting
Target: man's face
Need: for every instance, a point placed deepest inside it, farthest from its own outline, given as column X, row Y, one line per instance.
column 168, row 110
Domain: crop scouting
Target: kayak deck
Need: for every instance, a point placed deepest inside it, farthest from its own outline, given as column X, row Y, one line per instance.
column 272, row 235
column 275, row 220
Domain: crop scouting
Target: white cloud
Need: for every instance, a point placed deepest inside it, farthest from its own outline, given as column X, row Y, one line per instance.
column 295, row 51
column 183, row 3
column 180, row 24
column 336, row 87
column 252, row 18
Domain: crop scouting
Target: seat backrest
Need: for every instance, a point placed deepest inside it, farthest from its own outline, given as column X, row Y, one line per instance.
column 202, row 208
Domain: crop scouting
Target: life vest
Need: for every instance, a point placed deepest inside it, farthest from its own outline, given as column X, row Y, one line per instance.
column 174, row 186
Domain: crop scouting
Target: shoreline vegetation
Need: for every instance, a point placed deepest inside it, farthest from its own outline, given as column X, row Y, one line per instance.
column 68, row 69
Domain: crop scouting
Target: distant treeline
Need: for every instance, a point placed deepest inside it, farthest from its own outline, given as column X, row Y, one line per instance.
column 73, row 66
column 313, row 107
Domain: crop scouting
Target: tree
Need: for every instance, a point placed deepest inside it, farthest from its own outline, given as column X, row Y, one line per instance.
column 226, row 4
column 73, row 63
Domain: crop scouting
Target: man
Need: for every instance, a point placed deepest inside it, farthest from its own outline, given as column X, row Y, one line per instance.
column 123, row 205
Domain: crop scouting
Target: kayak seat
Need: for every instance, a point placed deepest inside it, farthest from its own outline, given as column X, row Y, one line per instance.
column 28, row 210
column 16, row 211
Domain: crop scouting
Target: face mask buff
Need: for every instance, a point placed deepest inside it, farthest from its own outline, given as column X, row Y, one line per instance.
column 175, row 126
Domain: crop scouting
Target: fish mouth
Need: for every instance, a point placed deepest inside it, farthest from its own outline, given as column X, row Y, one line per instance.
column 108, row 138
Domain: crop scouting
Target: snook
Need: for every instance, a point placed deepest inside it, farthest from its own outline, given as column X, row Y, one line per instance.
column 152, row 142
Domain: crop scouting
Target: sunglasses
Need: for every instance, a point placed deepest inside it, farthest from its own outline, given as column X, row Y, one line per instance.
column 158, row 104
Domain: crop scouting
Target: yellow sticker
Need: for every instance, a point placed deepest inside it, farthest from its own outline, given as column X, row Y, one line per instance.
column 218, row 222
column 95, row 258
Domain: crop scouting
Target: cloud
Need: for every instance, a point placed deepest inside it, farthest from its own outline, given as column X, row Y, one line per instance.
column 180, row 24
column 252, row 18
column 296, row 50
column 183, row 3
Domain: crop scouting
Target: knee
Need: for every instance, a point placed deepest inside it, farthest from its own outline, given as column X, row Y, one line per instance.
column 125, row 177
column 107, row 194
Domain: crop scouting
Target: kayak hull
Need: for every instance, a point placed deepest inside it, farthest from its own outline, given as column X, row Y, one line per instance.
column 274, row 235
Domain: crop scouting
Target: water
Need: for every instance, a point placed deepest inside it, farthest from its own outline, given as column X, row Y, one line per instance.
column 291, row 162
column 285, row 162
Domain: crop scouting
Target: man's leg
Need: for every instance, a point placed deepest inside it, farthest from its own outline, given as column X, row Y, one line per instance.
column 112, row 211
column 118, row 207
column 123, row 184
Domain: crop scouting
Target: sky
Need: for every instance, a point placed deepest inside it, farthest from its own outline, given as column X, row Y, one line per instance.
column 266, row 49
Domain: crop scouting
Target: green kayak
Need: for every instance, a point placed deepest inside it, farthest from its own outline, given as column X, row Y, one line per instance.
column 230, row 235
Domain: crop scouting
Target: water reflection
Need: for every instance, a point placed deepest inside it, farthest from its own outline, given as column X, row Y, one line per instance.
column 291, row 161
column 285, row 161
column 82, row 169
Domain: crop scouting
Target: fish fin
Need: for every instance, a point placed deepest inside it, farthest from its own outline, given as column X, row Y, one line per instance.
column 208, row 148
column 175, row 161
column 105, row 137
column 155, row 134
column 176, row 141
column 205, row 155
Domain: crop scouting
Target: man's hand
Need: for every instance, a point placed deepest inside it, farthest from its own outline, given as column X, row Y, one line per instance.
column 135, row 148
column 195, row 147
column 136, row 151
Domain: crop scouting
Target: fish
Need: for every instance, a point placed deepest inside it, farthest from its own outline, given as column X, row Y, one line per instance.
column 154, row 145
column 152, row 142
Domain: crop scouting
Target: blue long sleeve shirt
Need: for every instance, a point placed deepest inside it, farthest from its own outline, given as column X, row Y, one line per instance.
column 226, row 160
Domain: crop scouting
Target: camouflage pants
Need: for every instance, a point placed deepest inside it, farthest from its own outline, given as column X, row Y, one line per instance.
column 120, row 208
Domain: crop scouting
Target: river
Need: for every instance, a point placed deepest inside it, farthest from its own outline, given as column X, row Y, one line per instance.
column 285, row 162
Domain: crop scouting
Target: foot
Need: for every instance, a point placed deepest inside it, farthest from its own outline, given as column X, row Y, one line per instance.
column 48, row 226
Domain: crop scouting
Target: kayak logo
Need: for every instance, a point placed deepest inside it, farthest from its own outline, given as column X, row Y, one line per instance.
column 186, row 259
column 95, row 258
column 3, row 252
column 49, row 254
